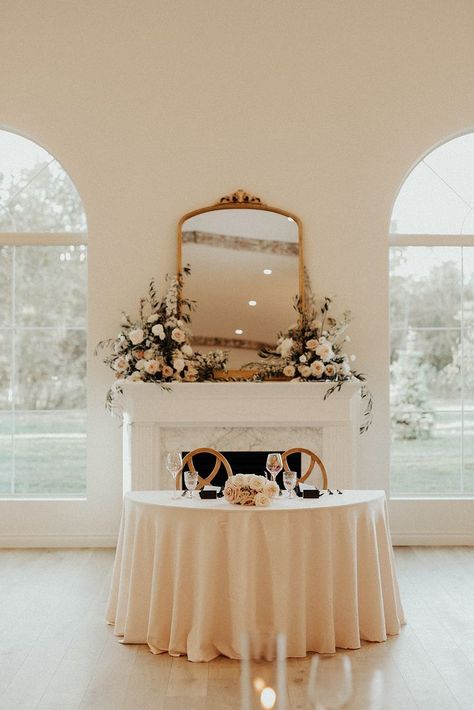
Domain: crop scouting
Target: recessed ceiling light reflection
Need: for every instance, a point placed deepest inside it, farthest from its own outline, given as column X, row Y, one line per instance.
column 239, row 331
column 252, row 303
column 267, row 272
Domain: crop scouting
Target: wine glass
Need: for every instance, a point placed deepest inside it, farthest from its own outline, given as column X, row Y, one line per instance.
column 330, row 682
column 174, row 463
column 274, row 465
column 190, row 481
column 289, row 481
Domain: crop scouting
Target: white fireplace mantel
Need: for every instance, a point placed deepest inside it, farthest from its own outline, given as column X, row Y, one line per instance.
column 237, row 416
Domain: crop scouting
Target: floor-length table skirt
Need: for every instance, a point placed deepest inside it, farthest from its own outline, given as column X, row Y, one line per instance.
column 191, row 576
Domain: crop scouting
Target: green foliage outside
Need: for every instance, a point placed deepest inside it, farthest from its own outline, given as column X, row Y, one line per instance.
column 432, row 369
column 43, row 292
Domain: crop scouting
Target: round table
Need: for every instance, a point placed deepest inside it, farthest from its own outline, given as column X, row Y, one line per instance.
column 190, row 576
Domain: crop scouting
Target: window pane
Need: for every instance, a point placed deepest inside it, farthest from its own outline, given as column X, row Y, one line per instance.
column 425, row 286
column 51, row 369
column 468, row 441
column 36, row 194
column 426, row 369
column 6, row 256
column 51, row 286
column 5, row 369
column 6, row 452
column 428, row 459
column 50, row 453
column 438, row 195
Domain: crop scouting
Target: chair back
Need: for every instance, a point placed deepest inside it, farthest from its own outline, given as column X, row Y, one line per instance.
column 188, row 460
column 314, row 459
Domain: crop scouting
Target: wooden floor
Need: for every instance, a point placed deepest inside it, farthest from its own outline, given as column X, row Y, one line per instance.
column 57, row 652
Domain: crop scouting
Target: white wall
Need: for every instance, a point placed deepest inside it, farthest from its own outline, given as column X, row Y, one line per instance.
column 157, row 107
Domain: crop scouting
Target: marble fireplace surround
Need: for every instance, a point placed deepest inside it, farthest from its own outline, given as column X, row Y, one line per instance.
column 237, row 416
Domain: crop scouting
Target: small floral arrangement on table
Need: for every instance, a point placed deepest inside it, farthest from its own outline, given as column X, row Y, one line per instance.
column 250, row 489
column 156, row 347
column 313, row 350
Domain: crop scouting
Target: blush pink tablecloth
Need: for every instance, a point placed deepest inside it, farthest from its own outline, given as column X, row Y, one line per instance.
column 190, row 576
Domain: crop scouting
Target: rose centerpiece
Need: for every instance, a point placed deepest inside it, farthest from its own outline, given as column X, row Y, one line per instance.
column 313, row 350
column 250, row 489
column 156, row 347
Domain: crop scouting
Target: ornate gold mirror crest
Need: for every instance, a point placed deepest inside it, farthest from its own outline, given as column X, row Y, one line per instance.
column 247, row 267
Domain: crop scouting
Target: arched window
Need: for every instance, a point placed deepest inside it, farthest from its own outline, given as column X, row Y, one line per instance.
column 43, row 291
column 432, row 325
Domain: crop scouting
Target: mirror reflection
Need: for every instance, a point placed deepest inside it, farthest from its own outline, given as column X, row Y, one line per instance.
column 245, row 273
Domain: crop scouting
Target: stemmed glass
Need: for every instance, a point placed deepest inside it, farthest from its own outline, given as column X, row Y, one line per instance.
column 330, row 682
column 274, row 465
column 174, row 463
column 190, row 481
column 289, row 481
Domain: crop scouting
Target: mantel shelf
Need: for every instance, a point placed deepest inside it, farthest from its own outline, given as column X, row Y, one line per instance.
column 203, row 409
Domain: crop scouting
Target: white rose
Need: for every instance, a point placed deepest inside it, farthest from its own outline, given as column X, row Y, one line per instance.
column 187, row 350
column 152, row 367
column 120, row 364
column 257, row 483
column 285, row 347
column 178, row 335
column 325, row 352
column 135, row 377
column 289, row 371
column 303, row 358
column 239, row 479
column 136, row 336
column 312, row 344
column 261, row 500
column 153, row 318
column 178, row 364
column 159, row 331
column 317, row 368
column 344, row 369
column 304, row 370
column 140, row 364
column 330, row 370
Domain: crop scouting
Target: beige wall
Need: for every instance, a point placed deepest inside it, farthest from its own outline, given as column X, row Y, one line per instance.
column 157, row 107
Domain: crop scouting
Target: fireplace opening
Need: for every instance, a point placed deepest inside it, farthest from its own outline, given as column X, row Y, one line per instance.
column 242, row 462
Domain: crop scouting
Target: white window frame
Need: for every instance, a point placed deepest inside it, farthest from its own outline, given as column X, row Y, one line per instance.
column 433, row 240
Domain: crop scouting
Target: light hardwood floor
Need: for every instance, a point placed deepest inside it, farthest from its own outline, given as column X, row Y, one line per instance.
column 57, row 652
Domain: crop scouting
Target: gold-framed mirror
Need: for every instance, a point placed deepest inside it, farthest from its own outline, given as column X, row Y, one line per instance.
column 247, row 266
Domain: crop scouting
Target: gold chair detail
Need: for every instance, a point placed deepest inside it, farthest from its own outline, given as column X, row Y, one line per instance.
column 314, row 459
column 188, row 461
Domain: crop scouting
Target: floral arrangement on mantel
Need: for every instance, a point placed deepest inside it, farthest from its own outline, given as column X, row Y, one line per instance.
column 312, row 350
column 156, row 347
column 250, row 489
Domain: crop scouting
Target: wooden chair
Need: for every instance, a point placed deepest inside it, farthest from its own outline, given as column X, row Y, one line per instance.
column 314, row 459
column 188, row 460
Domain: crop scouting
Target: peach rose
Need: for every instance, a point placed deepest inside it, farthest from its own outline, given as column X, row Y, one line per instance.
column 167, row 371
column 231, row 493
column 178, row 335
column 271, row 489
